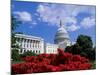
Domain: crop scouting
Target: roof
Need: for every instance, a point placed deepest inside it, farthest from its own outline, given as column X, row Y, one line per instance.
column 28, row 36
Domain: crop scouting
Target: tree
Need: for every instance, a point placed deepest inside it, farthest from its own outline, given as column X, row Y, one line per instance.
column 14, row 46
column 87, row 47
column 68, row 49
column 74, row 49
column 92, row 54
column 83, row 47
column 84, row 41
column 14, row 23
column 15, row 55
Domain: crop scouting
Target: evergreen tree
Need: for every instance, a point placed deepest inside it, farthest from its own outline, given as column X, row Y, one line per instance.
column 14, row 46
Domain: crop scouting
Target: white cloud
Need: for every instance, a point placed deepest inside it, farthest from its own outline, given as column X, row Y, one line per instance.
column 34, row 23
column 88, row 22
column 84, row 9
column 53, row 13
column 23, row 16
column 71, row 20
column 73, row 28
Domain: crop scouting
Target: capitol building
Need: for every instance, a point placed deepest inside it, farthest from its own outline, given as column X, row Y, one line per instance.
column 37, row 44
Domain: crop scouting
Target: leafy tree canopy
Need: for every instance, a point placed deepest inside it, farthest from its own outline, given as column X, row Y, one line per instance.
column 84, row 41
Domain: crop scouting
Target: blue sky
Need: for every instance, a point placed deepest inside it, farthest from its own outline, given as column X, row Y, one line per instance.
column 42, row 19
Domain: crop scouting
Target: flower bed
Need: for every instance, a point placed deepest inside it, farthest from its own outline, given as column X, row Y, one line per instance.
column 51, row 63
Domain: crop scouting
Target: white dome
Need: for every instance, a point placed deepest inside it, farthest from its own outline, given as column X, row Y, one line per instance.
column 61, row 30
column 61, row 34
column 62, row 37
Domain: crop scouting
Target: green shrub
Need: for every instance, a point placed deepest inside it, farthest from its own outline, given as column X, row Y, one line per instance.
column 28, row 53
column 15, row 55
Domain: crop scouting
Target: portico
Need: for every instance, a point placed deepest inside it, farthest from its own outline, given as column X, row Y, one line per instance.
column 30, row 43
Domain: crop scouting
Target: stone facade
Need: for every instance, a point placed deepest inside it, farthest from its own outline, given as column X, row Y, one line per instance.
column 51, row 48
column 30, row 43
column 34, row 44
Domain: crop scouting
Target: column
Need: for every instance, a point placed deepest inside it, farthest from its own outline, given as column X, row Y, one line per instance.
column 32, row 44
column 22, row 43
column 28, row 44
column 35, row 44
column 19, row 41
column 25, row 43
column 38, row 44
column 39, row 47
